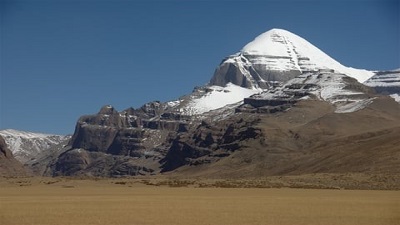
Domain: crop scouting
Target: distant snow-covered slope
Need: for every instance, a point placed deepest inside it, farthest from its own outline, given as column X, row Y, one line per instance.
column 343, row 92
column 27, row 145
column 386, row 82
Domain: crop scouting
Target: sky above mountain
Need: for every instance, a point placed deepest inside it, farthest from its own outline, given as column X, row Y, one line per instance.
column 66, row 58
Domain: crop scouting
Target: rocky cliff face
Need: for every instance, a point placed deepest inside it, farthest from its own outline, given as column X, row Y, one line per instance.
column 208, row 142
column 239, row 70
column 127, row 132
column 112, row 143
column 9, row 166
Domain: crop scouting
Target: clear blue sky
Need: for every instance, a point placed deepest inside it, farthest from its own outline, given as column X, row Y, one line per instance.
column 62, row 59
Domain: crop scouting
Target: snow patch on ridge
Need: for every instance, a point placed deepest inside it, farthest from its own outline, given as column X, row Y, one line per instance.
column 218, row 97
column 330, row 87
column 390, row 79
column 353, row 106
column 386, row 82
column 23, row 134
column 396, row 97
column 333, row 90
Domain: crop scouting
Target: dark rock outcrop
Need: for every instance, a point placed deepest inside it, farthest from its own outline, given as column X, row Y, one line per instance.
column 206, row 143
column 5, row 153
column 239, row 70
column 9, row 166
column 121, row 133
column 79, row 162
column 112, row 143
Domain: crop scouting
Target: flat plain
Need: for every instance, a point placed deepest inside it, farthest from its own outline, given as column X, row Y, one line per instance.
column 65, row 201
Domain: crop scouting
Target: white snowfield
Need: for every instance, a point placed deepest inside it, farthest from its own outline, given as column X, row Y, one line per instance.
column 218, row 97
column 279, row 49
column 25, row 145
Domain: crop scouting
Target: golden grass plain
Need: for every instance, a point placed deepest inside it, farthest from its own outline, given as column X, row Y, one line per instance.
column 112, row 202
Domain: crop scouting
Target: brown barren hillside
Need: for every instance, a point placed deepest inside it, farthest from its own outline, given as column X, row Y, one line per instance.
column 311, row 138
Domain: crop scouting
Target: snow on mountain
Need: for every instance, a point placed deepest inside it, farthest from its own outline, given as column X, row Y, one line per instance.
column 338, row 89
column 277, row 56
column 386, row 82
column 26, row 145
column 396, row 97
column 384, row 79
column 215, row 97
column 207, row 98
column 271, row 59
column 295, row 53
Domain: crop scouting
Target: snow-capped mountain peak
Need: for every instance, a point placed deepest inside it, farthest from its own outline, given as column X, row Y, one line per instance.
column 281, row 43
column 274, row 43
column 278, row 56
column 300, row 54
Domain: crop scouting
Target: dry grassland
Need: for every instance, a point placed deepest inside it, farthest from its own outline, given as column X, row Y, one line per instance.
column 110, row 202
